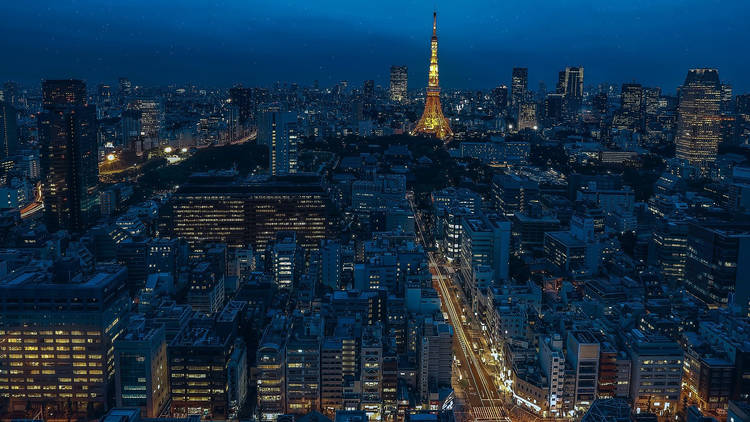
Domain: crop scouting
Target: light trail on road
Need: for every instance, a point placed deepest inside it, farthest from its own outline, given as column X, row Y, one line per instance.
column 486, row 405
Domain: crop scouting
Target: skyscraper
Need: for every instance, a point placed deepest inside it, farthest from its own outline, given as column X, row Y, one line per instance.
column 500, row 97
column 432, row 121
column 570, row 84
column 69, row 162
column 242, row 98
column 631, row 106
column 368, row 89
column 278, row 131
column 152, row 117
column 126, row 88
column 519, row 85
column 399, row 83
column 698, row 122
column 8, row 130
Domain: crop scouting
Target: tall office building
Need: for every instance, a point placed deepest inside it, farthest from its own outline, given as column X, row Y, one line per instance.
column 126, row 88
column 527, row 116
column 271, row 363
column 368, row 89
column 284, row 259
column 208, row 367
column 717, row 268
column 631, row 106
column 519, row 85
column 141, row 371
column 8, row 130
column 399, row 83
column 242, row 98
column 249, row 213
column 278, row 130
column 69, row 161
column 303, row 364
column 500, row 97
column 570, row 84
column 152, row 117
column 698, row 122
column 10, row 93
column 56, row 332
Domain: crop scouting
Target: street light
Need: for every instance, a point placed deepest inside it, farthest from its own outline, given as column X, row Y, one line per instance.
column 111, row 157
column 167, row 150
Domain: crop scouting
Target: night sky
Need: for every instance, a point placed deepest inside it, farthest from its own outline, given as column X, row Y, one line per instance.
column 219, row 43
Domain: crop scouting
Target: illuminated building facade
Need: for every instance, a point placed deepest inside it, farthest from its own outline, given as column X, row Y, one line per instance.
column 519, row 85
column 284, row 259
column 631, row 106
column 656, row 376
column 527, row 116
column 69, row 157
column 399, row 83
column 278, row 131
column 141, row 372
column 270, row 363
column 432, row 121
column 698, row 122
column 249, row 213
column 208, row 367
column 570, row 85
column 303, row 364
column 152, row 118
column 8, row 130
column 716, row 267
column 56, row 338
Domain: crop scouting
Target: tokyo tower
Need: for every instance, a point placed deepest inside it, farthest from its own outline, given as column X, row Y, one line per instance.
column 433, row 122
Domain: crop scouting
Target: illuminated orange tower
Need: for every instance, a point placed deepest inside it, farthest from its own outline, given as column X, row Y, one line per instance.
column 433, row 122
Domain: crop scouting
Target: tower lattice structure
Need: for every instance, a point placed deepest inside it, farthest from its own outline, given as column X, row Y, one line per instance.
column 433, row 122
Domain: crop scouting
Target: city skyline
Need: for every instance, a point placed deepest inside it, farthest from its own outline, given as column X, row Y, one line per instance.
column 223, row 43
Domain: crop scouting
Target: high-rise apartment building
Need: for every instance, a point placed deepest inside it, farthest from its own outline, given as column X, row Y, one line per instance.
column 69, row 157
column 279, row 131
column 399, row 83
column 698, row 122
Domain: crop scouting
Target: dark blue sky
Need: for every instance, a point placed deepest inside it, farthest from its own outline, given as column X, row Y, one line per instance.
column 219, row 43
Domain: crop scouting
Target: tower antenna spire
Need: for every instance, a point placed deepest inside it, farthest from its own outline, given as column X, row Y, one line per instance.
column 434, row 23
